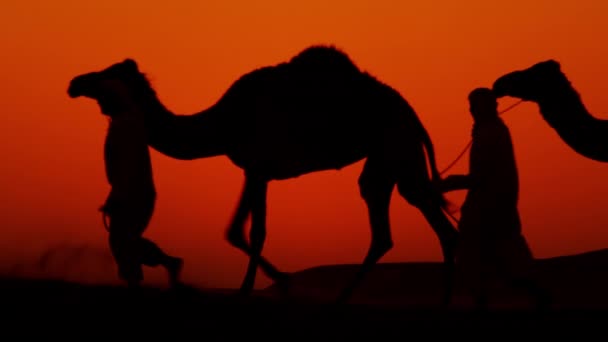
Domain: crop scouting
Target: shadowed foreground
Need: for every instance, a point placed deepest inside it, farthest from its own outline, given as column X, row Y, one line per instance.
column 397, row 298
column 577, row 282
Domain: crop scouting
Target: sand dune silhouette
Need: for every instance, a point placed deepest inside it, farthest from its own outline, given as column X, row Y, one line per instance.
column 577, row 281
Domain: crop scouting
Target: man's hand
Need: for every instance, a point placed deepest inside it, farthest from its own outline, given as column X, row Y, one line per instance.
column 453, row 182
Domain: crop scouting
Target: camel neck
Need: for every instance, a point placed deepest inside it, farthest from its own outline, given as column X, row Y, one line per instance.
column 186, row 136
column 565, row 110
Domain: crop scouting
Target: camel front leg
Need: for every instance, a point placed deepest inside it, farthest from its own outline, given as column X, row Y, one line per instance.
column 253, row 200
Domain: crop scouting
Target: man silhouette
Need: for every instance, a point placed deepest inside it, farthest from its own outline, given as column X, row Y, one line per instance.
column 490, row 228
column 130, row 204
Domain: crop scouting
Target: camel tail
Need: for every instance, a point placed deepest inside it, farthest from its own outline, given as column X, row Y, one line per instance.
column 430, row 151
column 104, row 218
column 435, row 174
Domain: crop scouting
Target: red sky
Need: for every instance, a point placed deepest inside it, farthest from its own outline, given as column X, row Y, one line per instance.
column 434, row 53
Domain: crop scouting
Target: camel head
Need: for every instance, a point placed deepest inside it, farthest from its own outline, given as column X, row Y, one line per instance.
column 109, row 87
column 530, row 84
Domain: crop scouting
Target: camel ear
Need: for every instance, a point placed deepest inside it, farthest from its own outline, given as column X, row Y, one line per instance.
column 130, row 63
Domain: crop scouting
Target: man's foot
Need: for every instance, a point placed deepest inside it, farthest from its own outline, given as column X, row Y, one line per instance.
column 174, row 269
column 133, row 277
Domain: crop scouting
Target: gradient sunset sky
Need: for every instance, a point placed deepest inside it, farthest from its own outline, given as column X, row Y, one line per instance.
column 432, row 52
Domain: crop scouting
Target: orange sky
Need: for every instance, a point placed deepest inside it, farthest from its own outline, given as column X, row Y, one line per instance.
column 433, row 52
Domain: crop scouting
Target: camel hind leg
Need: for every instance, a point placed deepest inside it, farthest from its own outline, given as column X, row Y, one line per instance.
column 253, row 201
column 376, row 186
column 415, row 185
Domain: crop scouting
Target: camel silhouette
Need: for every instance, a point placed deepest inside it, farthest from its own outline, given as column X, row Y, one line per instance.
column 318, row 111
column 560, row 104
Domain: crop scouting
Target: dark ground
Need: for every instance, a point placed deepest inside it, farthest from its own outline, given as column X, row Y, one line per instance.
column 64, row 307
column 401, row 300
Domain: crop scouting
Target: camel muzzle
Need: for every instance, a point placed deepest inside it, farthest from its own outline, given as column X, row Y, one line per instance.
column 81, row 86
column 74, row 90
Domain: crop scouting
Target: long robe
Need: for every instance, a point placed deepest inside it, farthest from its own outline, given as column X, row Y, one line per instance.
column 490, row 226
column 129, row 171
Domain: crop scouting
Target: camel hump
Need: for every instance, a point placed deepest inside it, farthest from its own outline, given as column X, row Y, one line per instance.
column 318, row 58
column 549, row 63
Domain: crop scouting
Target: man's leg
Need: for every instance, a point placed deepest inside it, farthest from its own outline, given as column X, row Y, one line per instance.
column 152, row 255
column 124, row 250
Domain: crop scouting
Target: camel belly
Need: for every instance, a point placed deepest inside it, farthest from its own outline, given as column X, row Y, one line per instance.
column 287, row 158
column 297, row 164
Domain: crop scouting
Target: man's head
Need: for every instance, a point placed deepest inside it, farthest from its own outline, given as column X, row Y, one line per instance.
column 483, row 104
